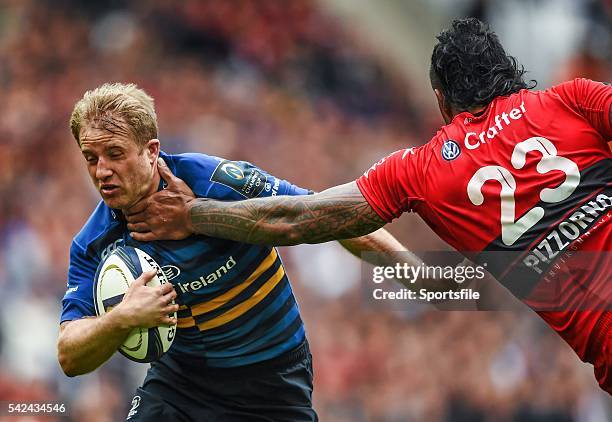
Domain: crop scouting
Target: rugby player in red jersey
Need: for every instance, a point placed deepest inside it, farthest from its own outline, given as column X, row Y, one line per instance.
column 521, row 179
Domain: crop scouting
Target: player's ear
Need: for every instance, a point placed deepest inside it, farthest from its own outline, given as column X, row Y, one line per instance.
column 445, row 109
column 152, row 150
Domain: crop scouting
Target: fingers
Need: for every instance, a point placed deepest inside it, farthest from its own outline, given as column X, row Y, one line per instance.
column 166, row 288
column 136, row 217
column 170, row 309
column 165, row 172
column 137, row 208
column 144, row 237
column 177, row 184
column 170, row 296
column 168, row 320
column 141, row 227
column 144, row 278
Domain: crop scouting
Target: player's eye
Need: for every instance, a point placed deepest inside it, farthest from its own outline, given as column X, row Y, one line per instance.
column 91, row 160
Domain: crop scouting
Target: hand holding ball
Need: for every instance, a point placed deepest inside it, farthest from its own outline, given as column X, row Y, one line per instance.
column 129, row 278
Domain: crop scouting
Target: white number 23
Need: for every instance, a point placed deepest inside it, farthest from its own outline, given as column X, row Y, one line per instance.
column 512, row 229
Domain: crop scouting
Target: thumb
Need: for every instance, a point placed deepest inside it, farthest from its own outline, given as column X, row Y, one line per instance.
column 145, row 277
column 165, row 173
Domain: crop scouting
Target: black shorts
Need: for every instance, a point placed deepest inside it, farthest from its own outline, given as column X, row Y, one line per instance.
column 275, row 390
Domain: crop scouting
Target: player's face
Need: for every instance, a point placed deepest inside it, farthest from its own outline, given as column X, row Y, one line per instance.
column 122, row 171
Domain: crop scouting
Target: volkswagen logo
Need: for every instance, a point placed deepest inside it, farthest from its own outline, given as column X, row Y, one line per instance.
column 450, row 150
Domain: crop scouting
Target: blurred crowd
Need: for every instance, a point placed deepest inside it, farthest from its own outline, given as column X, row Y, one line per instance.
column 290, row 89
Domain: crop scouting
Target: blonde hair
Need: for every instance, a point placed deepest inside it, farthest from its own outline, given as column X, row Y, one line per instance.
column 117, row 101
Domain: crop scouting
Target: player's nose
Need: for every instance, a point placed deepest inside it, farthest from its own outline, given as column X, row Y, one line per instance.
column 103, row 171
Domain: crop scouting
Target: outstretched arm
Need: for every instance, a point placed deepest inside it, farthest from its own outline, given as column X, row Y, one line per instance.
column 380, row 241
column 337, row 213
column 173, row 213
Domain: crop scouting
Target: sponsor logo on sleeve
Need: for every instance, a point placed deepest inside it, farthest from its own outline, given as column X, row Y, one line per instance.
column 233, row 171
column 450, row 150
column 408, row 151
column 72, row 290
column 373, row 168
column 241, row 177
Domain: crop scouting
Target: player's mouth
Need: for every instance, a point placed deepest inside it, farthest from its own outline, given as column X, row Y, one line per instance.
column 109, row 190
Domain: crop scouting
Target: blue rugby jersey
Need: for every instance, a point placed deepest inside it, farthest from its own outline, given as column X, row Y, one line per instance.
column 236, row 304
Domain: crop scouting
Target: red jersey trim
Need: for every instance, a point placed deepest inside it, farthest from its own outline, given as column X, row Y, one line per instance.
column 372, row 201
column 602, row 329
column 607, row 122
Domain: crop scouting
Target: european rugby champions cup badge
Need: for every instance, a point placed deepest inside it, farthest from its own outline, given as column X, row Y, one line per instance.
column 450, row 150
column 240, row 176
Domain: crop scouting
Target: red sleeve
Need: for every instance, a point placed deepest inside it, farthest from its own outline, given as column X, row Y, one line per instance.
column 590, row 99
column 393, row 185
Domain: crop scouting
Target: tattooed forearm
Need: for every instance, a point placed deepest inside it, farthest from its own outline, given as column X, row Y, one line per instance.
column 337, row 213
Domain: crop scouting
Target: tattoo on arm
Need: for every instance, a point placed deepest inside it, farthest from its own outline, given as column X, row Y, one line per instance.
column 337, row 213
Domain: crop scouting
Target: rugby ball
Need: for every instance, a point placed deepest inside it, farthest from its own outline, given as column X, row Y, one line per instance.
column 114, row 276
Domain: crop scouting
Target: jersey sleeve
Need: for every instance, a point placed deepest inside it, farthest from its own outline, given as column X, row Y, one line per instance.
column 217, row 178
column 78, row 300
column 590, row 99
column 395, row 184
column 242, row 180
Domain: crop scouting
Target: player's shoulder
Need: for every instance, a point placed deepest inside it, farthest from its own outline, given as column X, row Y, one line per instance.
column 201, row 171
column 445, row 145
column 190, row 164
column 98, row 223
column 580, row 83
column 421, row 156
column 573, row 88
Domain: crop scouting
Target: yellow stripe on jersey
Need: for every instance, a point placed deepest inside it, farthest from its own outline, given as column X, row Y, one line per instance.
column 240, row 309
column 186, row 322
column 221, row 300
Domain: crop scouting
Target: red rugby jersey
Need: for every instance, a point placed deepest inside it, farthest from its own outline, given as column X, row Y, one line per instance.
column 529, row 178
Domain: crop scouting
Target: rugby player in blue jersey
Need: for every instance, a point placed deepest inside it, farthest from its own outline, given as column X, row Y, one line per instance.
column 240, row 352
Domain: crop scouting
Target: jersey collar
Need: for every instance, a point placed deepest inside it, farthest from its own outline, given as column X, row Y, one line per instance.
column 468, row 117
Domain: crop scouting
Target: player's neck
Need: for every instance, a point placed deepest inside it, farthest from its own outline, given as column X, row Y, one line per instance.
column 475, row 111
column 153, row 187
column 452, row 113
